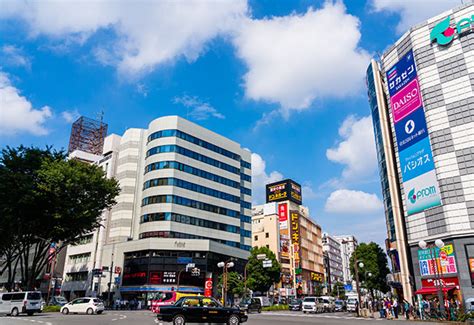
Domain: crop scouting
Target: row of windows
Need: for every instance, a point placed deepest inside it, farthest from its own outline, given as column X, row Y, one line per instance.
column 77, row 276
column 189, row 203
column 245, row 164
column 168, row 216
column 245, row 190
column 87, row 239
column 191, row 187
column 245, row 219
column 193, row 155
column 194, row 140
column 245, row 233
column 79, row 258
column 245, row 205
column 174, row 234
column 245, row 177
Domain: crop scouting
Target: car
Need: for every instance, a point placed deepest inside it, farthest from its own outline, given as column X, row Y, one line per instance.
column 328, row 304
column 84, row 305
column 352, row 304
column 264, row 301
column 15, row 303
column 200, row 310
column 58, row 301
column 249, row 305
column 295, row 304
column 339, row 305
column 313, row 305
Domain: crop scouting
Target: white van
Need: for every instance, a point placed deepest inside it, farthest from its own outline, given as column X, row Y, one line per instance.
column 14, row 303
column 329, row 303
column 264, row 301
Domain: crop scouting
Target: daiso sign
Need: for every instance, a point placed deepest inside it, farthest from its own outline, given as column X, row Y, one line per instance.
column 406, row 100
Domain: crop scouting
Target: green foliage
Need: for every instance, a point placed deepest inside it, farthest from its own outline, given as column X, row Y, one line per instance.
column 44, row 199
column 258, row 277
column 375, row 262
column 51, row 309
column 235, row 283
column 338, row 287
column 275, row 307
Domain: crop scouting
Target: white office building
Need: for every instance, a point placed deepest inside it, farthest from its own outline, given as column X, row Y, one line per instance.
column 348, row 246
column 333, row 260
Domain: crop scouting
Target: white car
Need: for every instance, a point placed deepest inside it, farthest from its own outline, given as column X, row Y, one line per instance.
column 15, row 303
column 312, row 305
column 84, row 305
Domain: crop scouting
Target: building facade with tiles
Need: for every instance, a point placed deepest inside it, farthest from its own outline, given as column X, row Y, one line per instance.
column 421, row 94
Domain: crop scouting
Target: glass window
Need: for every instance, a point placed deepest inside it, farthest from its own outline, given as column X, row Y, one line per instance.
column 191, row 302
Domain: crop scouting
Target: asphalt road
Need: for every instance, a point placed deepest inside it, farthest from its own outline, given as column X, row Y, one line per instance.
column 148, row 318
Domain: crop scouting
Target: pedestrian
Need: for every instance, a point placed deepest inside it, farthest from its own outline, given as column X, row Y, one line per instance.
column 395, row 308
column 406, row 308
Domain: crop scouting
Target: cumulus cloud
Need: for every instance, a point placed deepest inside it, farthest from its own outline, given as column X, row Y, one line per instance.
column 353, row 202
column 148, row 33
column 70, row 116
column 414, row 11
column 293, row 60
column 356, row 150
column 198, row 109
column 260, row 178
column 17, row 114
column 13, row 56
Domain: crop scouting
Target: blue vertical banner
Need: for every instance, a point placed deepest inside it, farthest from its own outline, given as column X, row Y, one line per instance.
column 414, row 147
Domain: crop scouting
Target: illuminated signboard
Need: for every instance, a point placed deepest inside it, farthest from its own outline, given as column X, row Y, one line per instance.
column 284, row 233
column 444, row 34
column 433, row 261
column 317, row 277
column 296, row 243
column 283, row 191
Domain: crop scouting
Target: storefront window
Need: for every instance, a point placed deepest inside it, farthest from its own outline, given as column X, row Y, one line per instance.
column 470, row 260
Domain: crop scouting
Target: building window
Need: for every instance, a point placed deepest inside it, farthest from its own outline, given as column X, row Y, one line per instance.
column 79, row 258
column 255, row 237
column 267, row 235
column 76, row 276
column 87, row 239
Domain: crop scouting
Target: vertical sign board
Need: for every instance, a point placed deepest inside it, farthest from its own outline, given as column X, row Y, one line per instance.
column 432, row 260
column 295, row 243
column 414, row 148
column 284, row 234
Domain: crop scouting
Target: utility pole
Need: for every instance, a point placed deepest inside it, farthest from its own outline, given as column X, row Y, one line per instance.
column 111, row 271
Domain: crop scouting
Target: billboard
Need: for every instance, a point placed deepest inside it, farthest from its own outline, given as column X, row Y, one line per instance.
column 432, row 261
column 414, row 147
column 283, row 191
column 284, row 233
column 296, row 241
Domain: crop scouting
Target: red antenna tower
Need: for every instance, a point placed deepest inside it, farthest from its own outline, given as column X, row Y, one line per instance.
column 88, row 135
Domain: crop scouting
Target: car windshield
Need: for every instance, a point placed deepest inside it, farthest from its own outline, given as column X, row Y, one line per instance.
column 338, row 302
column 309, row 300
column 33, row 296
column 60, row 299
column 179, row 302
column 245, row 302
column 294, row 301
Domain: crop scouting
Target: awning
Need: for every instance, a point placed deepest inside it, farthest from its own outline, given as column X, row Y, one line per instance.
column 433, row 290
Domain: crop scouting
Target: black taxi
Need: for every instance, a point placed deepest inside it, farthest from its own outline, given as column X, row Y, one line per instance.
column 200, row 310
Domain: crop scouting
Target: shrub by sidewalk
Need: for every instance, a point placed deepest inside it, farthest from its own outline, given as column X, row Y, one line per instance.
column 51, row 309
column 275, row 307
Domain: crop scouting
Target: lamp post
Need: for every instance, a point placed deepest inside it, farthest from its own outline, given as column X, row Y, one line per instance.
column 431, row 246
column 225, row 265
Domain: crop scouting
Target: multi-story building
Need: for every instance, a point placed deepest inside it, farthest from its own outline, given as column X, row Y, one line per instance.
column 333, row 266
column 421, row 94
column 285, row 226
column 185, row 199
column 348, row 246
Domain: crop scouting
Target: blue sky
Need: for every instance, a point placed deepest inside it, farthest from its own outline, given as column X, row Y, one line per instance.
column 283, row 78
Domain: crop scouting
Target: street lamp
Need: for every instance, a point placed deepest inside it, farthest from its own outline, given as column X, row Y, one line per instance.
column 225, row 266
column 439, row 244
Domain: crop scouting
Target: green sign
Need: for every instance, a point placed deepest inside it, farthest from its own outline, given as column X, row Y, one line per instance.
column 444, row 34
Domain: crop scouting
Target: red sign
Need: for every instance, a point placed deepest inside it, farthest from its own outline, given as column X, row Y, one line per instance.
column 443, row 255
column 283, row 212
column 445, row 282
column 208, row 288
column 118, row 270
column 156, row 278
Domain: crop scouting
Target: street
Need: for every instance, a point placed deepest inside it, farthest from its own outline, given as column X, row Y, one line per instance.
column 145, row 317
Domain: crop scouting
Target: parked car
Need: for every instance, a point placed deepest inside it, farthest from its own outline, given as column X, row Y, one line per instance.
column 251, row 305
column 200, row 310
column 313, row 305
column 58, row 301
column 295, row 304
column 15, row 303
column 340, row 305
column 470, row 305
column 328, row 304
column 352, row 304
column 264, row 301
column 84, row 305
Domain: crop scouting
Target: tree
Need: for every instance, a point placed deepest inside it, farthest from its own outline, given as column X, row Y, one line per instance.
column 258, row 277
column 375, row 262
column 338, row 290
column 46, row 199
column 235, row 283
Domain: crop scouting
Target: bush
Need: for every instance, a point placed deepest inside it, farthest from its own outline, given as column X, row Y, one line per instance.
column 275, row 307
column 463, row 317
column 51, row 309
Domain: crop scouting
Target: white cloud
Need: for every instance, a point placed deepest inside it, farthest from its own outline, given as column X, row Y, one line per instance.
column 70, row 116
column 357, row 149
column 413, row 12
column 293, row 60
column 17, row 113
column 353, row 202
column 199, row 109
column 260, row 178
column 13, row 56
column 148, row 33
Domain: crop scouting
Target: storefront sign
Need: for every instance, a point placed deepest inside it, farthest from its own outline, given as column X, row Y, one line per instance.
column 208, row 287
column 169, row 277
column 444, row 282
column 156, row 278
column 444, row 34
column 295, row 238
column 317, row 277
column 283, row 191
column 414, row 147
column 283, row 215
column 430, row 261
column 284, row 232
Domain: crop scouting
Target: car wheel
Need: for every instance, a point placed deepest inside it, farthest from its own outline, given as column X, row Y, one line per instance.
column 30, row 313
column 233, row 320
column 90, row 311
column 304, row 312
column 259, row 310
column 99, row 312
column 15, row 312
column 65, row 311
column 179, row 320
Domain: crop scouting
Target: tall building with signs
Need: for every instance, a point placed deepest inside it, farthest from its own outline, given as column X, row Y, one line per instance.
column 285, row 226
column 421, row 93
column 185, row 199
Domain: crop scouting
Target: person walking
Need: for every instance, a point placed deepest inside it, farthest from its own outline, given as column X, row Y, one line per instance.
column 395, row 308
column 406, row 308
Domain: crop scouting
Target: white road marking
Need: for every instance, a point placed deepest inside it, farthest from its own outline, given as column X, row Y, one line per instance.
column 114, row 319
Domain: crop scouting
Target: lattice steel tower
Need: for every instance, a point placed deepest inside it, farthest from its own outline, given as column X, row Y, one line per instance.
column 87, row 135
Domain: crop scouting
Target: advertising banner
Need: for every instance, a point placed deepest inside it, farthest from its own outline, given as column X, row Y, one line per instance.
column 283, row 215
column 444, row 282
column 295, row 239
column 414, row 148
column 422, row 193
column 317, row 277
column 284, row 232
column 284, row 190
column 430, row 261
column 411, row 129
column 208, row 286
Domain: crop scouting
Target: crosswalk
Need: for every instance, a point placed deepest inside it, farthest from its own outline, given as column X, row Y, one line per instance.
column 332, row 316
